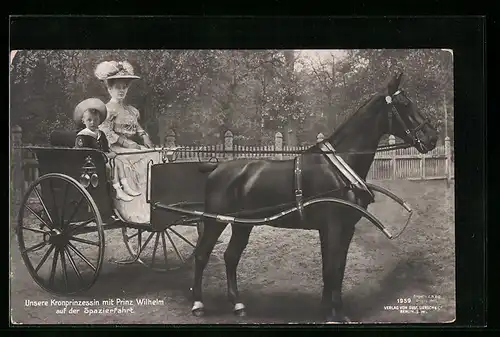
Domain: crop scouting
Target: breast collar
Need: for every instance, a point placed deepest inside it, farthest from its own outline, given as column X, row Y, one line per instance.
column 337, row 161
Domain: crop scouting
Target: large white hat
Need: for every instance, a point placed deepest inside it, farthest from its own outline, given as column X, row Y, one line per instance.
column 109, row 70
column 89, row 103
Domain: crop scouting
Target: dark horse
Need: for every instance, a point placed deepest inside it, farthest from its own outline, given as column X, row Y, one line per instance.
column 240, row 185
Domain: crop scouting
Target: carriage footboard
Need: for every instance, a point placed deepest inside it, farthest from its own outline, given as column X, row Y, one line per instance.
column 263, row 221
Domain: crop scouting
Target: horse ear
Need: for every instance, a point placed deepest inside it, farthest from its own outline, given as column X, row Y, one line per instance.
column 393, row 85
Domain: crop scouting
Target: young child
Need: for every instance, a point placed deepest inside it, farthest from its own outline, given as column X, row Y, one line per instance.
column 89, row 114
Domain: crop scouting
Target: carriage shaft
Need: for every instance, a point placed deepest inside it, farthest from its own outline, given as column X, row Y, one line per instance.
column 390, row 195
column 267, row 220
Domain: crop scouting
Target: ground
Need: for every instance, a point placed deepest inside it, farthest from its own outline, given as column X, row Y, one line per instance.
column 279, row 274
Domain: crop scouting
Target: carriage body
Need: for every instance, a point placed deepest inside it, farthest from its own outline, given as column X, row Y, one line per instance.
column 73, row 163
column 169, row 183
column 176, row 183
column 61, row 209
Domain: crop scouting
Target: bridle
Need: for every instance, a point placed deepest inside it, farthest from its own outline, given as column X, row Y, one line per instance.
column 411, row 133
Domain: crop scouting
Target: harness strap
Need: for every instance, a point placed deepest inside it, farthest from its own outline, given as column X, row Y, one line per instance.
column 340, row 165
column 344, row 168
column 298, row 187
column 390, row 120
column 388, row 100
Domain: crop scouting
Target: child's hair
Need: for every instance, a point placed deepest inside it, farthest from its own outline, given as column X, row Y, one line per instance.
column 93, row 112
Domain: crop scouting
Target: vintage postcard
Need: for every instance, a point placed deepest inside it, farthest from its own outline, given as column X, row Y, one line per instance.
column 232, row 186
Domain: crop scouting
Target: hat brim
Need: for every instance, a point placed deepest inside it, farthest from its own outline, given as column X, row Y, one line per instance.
column 124, row 77
column 91, row 103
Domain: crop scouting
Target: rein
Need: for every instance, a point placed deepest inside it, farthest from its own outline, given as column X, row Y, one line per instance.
column 392, row 147
column 383, row 148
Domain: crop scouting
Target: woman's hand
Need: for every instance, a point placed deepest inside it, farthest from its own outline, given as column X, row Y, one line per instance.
column 128, row 143
column 147, row 142
column 111, row 155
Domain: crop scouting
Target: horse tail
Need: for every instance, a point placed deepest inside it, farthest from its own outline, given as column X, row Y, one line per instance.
column 207, row 167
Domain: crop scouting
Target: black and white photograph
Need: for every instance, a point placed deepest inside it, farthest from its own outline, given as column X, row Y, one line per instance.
column 232, row 186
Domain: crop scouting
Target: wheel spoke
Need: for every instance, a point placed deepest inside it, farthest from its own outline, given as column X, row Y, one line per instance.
column 38, row 217
column 72, row 238
column 73, row 265
column 127, row 243
column 133, row 235
column 63, row 265
column 74, row 211
column 54, row 265
column 36, row 230
column 81, row 256
column 83, row 224
column 164, row 242
column 37, row 246
column 64, row 204
column 44, row 258
column 47, row 241
column 146, row 243
column 175, row 247
column 139, row 241
column 43, row 205
column 56, row 211
column 155, row 248
column 155, row 262
column 182, row 237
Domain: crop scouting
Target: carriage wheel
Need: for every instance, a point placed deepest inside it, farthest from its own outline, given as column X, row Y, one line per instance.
column 163, row 250
column 60, row 235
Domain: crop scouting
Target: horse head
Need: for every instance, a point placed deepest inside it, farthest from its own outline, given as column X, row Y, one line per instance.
column 405, row 120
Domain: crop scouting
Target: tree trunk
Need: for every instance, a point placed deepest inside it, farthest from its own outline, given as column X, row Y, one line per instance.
column 290, row 135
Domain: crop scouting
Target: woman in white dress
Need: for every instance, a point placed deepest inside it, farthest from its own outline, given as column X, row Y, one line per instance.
column 125, row 134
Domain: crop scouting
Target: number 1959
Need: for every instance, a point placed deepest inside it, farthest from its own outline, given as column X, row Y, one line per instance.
column 404, row 300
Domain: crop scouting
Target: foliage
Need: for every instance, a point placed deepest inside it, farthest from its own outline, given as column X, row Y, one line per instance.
column 201, row 93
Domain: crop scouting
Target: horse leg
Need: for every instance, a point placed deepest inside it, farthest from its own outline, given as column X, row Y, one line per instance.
column 327, row 239
column 339, row 262
column 232, row 255
column 335, row 240
column 211, row 232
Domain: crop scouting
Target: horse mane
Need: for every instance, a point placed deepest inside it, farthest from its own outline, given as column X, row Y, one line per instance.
column 344, row 124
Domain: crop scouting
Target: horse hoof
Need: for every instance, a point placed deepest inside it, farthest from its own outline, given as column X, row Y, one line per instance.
column 198, row 312
column 240, row 312
column 198, row 309
column 337, row 320
column 335, row 317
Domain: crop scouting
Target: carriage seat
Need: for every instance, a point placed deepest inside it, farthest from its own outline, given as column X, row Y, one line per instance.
column 63, row 138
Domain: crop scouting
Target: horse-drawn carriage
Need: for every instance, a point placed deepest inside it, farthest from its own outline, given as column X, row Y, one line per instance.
column 71, row 200
column 312, row 191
